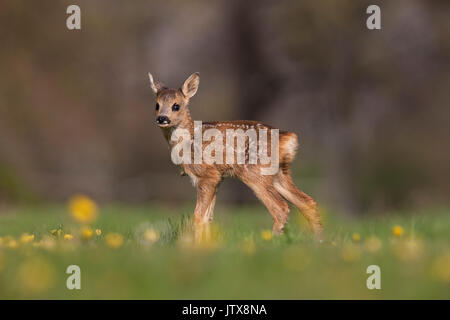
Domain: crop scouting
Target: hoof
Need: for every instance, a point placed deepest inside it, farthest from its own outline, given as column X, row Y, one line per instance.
column 278, row 231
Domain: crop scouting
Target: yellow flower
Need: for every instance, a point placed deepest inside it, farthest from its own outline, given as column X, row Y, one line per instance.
column 356, row 237
column 151, row 235
column 27, row 238
column 441, row 267
column 83, row 209
column 35, row 275
column 266, row 235
column 114, row 240
column 68, row 237
column 397, row 231
column 56, row 232
column 86, row 233
column 373, row 244
column 46, row 242
column 10, row 242
column 98, row 232
column 408, row 250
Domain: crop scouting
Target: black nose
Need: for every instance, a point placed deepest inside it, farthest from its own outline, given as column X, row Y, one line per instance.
column 162, row 120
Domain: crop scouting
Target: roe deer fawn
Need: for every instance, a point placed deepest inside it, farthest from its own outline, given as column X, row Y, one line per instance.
column 172, row 114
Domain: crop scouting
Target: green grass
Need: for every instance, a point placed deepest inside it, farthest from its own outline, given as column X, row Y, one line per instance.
column 238, row 264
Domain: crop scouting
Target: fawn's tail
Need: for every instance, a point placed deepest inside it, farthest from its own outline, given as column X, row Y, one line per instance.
column 288, row 149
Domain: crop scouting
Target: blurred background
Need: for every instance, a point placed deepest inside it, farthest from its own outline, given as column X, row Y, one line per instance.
column 371, row 108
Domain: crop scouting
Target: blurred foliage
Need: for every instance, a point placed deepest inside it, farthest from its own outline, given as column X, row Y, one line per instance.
column 370, row 107
column 12, row 188
column 127, row 259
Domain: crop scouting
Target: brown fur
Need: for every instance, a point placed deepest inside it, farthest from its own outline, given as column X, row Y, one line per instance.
column 272, row 190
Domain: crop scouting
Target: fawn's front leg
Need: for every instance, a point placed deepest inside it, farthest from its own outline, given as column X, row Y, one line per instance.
column 203, row 213
column 269, row 196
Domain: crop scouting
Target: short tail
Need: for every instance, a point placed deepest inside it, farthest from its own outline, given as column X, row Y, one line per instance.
column 288, row 149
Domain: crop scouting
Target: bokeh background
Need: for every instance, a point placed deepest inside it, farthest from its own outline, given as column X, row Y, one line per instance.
column 371, row 108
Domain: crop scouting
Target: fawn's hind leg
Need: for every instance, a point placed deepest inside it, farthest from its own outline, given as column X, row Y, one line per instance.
column 277, row 206
column 306, row 205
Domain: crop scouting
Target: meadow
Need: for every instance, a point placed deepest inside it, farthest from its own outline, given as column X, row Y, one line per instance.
column 148, row 252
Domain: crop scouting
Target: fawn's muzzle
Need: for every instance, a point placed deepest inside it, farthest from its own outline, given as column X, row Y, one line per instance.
column 162, row 120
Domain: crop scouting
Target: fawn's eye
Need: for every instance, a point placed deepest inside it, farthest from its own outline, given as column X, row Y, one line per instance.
column 175, row 107
column 157, row 107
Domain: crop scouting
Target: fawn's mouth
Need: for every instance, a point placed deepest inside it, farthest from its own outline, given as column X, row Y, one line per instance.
column 163, row 121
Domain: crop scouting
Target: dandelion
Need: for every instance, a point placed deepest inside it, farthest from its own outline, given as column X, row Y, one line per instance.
column 10, row 242
column 86, row 233
column 68, row 236
column 46, row 242
column 56, row 232
column 266, row 235
column 151, row 235
column 98, row 232
column 356, row 237
column 35, row 275
column 408, row 250
column 397, row 231
column 27, row 238
column 83, row 209
column 114, row 240
column 441, row 267
column 373, row 244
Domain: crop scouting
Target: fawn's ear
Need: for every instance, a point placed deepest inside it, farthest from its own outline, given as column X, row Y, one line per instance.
column 190, row 86
column 156, row 85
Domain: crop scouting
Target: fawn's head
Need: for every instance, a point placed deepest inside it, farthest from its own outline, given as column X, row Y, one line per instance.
column 172, row 104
